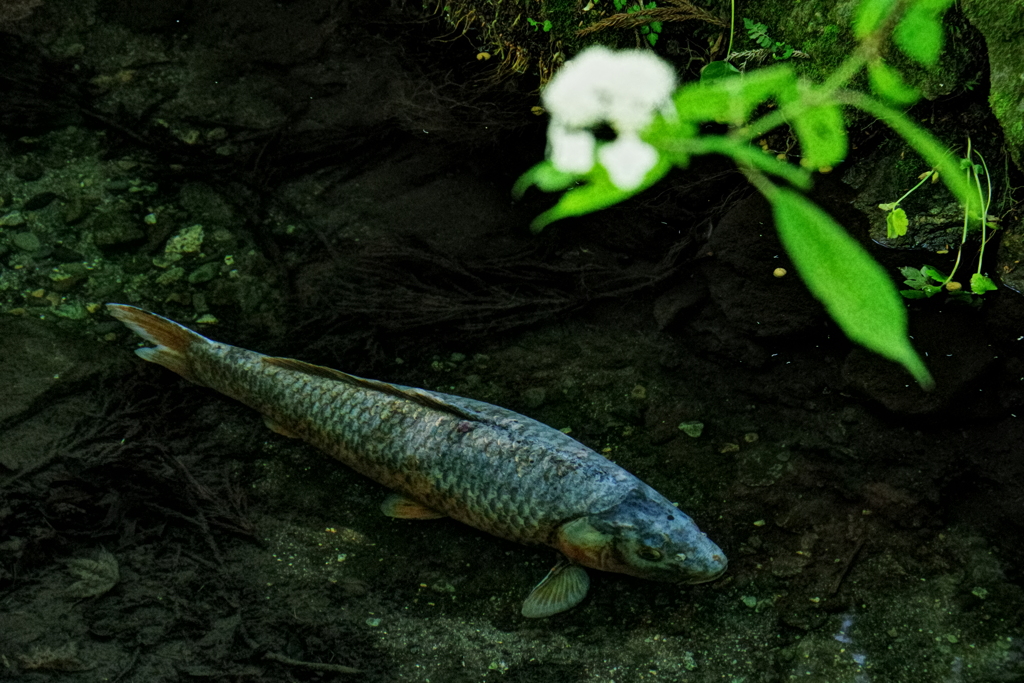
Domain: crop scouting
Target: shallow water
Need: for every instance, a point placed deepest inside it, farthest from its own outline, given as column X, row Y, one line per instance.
column 151, row 529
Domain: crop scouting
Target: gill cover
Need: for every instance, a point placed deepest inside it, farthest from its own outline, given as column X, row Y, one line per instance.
column 645, row 536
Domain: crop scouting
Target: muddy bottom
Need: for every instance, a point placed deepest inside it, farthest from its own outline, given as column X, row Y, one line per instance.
column 152, row 530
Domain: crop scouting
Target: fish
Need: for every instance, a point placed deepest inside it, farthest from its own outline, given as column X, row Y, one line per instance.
column 448, row 456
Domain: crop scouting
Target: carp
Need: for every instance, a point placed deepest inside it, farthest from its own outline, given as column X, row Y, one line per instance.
column 444, row 455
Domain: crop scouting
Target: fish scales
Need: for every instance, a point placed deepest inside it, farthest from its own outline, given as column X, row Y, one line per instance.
column 484, row 465
column 431, row 455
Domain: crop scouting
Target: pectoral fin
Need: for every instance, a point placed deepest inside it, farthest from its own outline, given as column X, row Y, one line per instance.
column 275, row 427
column 397, row 505
column 563, row 588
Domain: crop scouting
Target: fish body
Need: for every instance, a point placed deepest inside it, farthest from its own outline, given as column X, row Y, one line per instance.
column 486, row 466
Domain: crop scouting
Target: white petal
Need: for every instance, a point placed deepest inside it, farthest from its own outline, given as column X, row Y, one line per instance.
column 624, row 88
column 571, row 151
column 643, row 83
column 573, row 96
column 627, row 159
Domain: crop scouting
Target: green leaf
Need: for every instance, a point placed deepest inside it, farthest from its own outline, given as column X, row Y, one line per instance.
column 822, row 135
column 982, row 283
column 887, row 83
column 930, row 149
column 896, row 224
column 716, row 70
column 731, row 100
column 934, row 273
column 598, row 193
column 921, row 283
column 546, row 177
column 746, row 155
column 919, row 33
column 869, row 16
column 855, row 290
column 910, row 272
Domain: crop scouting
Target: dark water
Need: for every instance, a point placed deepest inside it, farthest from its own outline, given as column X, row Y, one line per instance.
column 320, row 181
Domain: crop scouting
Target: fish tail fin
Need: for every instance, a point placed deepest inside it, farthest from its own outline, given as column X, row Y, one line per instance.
column 172, row 340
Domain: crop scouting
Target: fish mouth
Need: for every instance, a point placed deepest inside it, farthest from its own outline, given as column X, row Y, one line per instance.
column 712, row 577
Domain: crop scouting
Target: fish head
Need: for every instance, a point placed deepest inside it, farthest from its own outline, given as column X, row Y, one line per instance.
column 643, row 536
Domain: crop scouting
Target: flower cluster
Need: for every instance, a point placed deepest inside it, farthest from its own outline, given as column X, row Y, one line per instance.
column 624, row 89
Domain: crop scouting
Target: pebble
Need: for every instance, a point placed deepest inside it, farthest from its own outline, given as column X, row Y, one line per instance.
column 26, row 241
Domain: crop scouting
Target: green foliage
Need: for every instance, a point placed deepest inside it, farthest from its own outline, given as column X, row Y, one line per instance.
column 896, row 224
column 758, row 33
column 887, row 83
column 869, row 16
column 719, row 69
column 928, row 281
column 896, row 221
column 919, row 33
column 649, row 31
column 924, row 282
column 854, row 289
column 539, row 25
column 598, row 192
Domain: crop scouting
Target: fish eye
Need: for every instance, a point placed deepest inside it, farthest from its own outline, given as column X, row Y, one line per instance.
column 649, row 554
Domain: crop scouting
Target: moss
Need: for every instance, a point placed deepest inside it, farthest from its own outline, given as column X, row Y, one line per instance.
column 1002, row 24
column 526, row 49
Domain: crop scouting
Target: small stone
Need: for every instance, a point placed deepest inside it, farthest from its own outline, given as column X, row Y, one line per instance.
column 171, row 276
column 96, row 577
column 204, row 273
column 779, row 272
column 11, row 220
column 26, row 241
column 72, row 311
column 534, row 396
column 29, row 171
column 39, row 201
column 188, row 241
column 116, row 230
column 692, row 428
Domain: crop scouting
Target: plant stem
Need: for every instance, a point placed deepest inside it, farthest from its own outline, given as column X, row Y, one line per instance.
column 911, row 190
column 732, row 28
column 923, row 142
column 985, row 203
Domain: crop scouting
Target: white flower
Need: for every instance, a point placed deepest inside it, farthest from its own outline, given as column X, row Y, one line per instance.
column 570, row 150
column 624, row 88
column 628, row 160
column 573, row 97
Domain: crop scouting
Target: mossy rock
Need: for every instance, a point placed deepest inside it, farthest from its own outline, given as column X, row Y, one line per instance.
column 1002, row 24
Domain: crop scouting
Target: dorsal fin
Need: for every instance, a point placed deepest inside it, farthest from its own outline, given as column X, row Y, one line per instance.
column 420, row 396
